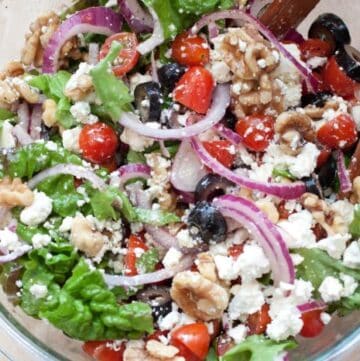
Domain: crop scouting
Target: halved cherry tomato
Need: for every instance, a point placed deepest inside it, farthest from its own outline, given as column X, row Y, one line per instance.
column 157, row 335
column 312, row 324
column 314, row 47
column 194, row 337
column 128, row 56
column 190, row 50
column 236, row 250
column 256, row 130
column 323, row 157
column 111, row 165
column 98, row 142
column 195, row 89
column 337, row 80
column 221, row 151
column 101, row 352
column 338, row 133
column 130, row 258
column 258, row 321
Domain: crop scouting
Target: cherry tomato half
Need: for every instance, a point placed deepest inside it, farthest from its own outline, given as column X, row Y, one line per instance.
column 314, row 47
column 101, row 352
column 338, row 133
column 194, row 337
column 190, row 50
column 256, row 130
column 221, row 151
column 312, row 324
column 258, row 321
column 128, row 56
column 195, row 89
column 323, row 157
column 336, row 79
column 130, row 258
column 98, row 142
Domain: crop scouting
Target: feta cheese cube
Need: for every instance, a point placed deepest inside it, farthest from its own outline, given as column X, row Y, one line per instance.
column 172, row 258
column 38, row 212
column 334, row 245
column 70, row 139
column 238, row 333
column 40, row 240
column 38, row 291
column 352, row 255
column 331, row 289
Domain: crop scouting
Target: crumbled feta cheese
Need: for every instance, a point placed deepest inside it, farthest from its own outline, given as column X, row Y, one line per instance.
column 40, row 240
column 297, row 230
column 172, row 258
column 350, row 285
column 73, row 83
column 316, row 62
column 7, row 140
column 296, row 258
column 81, row 111
column 169, row 321
column 52, row 146
column 38, row 212
column 226, row 267
column 38, row 291
column 66, row 224
column 345, row 210
column 334, row 245
column 248, row 299
column 70, row 139
column 325, row 318
column 355, row 112
column 352, row 255
column 136, row 141
column 220, row 71
column 305, row 163
column 9, row 240
column 238, row 333
column 331, row 289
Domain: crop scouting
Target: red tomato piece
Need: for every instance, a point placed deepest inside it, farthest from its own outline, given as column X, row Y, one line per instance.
column 130, row 258
column 98, row 142
column 312, row 324
column 194, row 337
column 111, row 165
column 156, row 336
column 128, row 56
column 236, row 250
column 221, row 151
column 323, row 157
column 336, row 79
column 258, row 321
column 101, row 352
column 195, row 89
column 338, row 133
column 256, row 130
column 315, row 47
column 90, row 346
column 190, row 50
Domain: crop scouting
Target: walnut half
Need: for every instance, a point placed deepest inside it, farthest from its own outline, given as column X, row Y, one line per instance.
column 14, row 193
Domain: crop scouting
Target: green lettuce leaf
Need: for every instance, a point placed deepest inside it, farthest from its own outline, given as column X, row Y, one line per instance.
column 147, row 261
column 212, row 355
column 258, row 348
column 112, row 91
column 5, row 114
column 354, row 227
column 135, row 157
column 317, row 265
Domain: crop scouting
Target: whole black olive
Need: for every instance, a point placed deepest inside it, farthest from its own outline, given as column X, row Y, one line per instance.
column 348, row 59
column 316, row 99
column 148, row 99
column 169, row 75
column 211, row 186
column 327, row 173
column 158, row 298
column 331, row 28
column 313, row 186
column 207, row 224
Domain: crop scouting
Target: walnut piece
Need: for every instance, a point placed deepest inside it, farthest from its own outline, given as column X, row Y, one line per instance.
column 14, row 193
column 317, row 112
column 199, row 297
column 49, row 113
column 206, row 266
column 135, row 351
column 84, row 86
column 85, row 238
column 161, row 351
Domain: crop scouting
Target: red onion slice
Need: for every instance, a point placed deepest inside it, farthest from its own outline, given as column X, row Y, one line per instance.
column 20, row 251
column 137, row 18
column 264, row 231
column 284, row 191
column 239, row 14
column 187, row 169
column 228, row 134
column 74, row 170
column 221, row 100
column 312, row 306
column 93, row 53
column 129, row 171
column 213, row 30
column 99, row 20
column 22, row 135
column 256, row 6
column 344, row 177
column 148, row 278
column 157, row 37
column 154, row 71
column 35, row 122
column 23, row 114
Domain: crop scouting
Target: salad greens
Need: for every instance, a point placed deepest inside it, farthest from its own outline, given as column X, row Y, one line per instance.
column 258, row 348
column 354, row 227
column 5, row 114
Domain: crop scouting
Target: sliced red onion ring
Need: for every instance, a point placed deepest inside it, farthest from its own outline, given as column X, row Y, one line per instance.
column 137, row 18
column 213, row 30
column 22, row 135
column 23, row 113
column 35, row 122
column 312, row 306
column 74, row 170
column 129, row 171
column 228, row 134
column 20, row 251
column 221, row 100
column 148, row 278
column 157, row 37
column 93, row 53
column 256, row 6
column 164, row 150
column 99, row 20
column 162, row 237
column 344, row 177
column 239, row 14
column 264, row 231
column 284, row 191
column 187, row 169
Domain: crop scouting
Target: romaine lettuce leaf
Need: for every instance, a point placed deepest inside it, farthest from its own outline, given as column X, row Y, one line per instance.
column 354, row 227
column 5, row 114
column 147, row 261
column 258, row 348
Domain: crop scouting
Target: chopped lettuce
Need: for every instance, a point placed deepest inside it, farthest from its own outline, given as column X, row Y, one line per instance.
column 354, row 227
column 258, row 348
column 212, row 355
column 202, row 7
column 135, row 157
column 317, row 265
column 147, row 262
column 282, row 172
column 112, row 91
column 85, row 309
column 5, row 114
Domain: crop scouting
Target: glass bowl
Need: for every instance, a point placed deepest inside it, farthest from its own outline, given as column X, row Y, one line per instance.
column 24, row 338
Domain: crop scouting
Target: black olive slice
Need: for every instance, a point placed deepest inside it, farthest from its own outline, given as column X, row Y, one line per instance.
column 211, row 186
column 169, row 75
column 317, row 99
column 312, row 185
column 148, row 99
column 348, row 59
